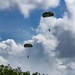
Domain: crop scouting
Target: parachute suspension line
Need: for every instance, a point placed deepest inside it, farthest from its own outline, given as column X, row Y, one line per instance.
column 28, row 54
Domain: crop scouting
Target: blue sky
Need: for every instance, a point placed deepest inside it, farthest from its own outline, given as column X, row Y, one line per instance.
column 21, row 22
column 14, row 25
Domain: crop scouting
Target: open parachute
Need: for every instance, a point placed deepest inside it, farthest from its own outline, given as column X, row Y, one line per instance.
column 27, row 45
column 47, row 14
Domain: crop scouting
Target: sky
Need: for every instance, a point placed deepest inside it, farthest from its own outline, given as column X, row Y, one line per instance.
column 21, row 22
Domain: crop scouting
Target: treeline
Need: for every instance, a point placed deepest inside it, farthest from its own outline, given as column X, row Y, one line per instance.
column 8, row 70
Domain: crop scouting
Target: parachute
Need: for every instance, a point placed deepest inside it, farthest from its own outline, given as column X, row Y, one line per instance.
column 47, row 14
column 28, row 46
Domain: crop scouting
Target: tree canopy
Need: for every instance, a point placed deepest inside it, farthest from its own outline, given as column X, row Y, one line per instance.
column 8, row 70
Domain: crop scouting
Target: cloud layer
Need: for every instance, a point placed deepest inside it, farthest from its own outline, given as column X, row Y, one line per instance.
column 25, row 6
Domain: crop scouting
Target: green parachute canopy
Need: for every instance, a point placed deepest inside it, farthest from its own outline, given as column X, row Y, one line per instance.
column 28, row 45
column 48, row 14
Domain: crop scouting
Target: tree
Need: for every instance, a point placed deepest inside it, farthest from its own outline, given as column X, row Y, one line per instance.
column 36, row 73
column 8, row 70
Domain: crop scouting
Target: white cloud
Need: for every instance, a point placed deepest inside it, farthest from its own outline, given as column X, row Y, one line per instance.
column 3, row 61
column 10, row 47
column 25, row 6
column 6, row 4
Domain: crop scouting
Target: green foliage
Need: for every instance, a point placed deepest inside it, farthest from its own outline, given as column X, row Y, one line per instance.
column 36, row 73
column 8, row 70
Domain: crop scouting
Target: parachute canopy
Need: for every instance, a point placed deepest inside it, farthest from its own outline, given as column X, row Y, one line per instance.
column 28, row 45
column 48, row 14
